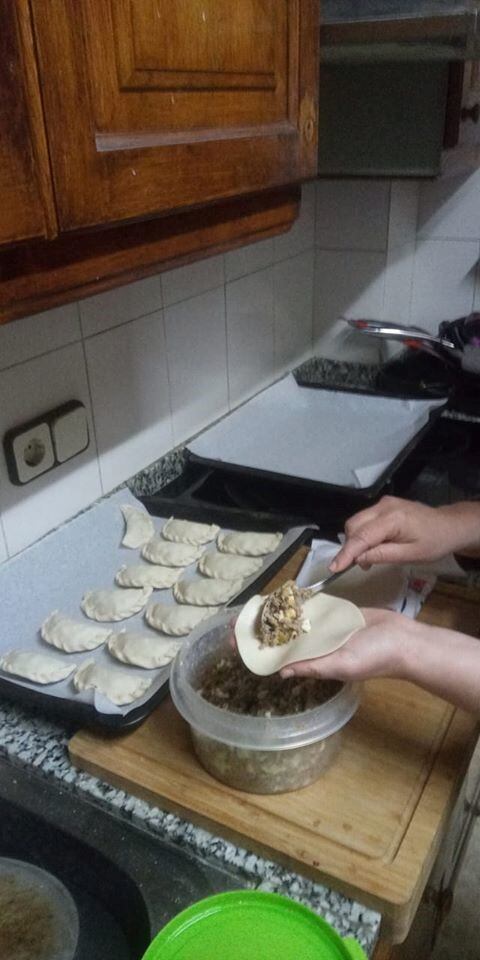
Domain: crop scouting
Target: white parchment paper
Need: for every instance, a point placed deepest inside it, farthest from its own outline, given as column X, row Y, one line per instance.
column 54, row 573
column 327, row 436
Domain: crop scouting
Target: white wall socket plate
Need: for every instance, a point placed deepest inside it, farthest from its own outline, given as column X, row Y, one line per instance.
column 46, row 442
column 33, row 452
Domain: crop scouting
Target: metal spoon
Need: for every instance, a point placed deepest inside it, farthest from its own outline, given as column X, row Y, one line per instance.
column 306, row 593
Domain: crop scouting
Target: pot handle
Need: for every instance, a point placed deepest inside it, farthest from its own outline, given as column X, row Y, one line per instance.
column 354, row 950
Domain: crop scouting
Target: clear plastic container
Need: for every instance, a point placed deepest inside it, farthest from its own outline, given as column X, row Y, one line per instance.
column 255, row 754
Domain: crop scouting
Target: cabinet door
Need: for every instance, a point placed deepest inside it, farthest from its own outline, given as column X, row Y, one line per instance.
column 26, row 202
column 158, row 105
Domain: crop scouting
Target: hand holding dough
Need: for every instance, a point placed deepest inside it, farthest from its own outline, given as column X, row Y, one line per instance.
column 332, row 622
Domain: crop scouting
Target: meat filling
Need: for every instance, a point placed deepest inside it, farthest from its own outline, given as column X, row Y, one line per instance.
column 281, row 617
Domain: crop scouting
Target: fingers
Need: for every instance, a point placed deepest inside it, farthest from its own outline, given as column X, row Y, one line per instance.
column 328, row 668
column 376, row 541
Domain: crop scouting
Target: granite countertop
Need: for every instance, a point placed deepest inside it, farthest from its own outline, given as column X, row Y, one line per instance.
column 29, row 739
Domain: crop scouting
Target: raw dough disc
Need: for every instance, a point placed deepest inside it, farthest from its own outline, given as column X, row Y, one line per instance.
column 141, row 650
column 38, row 667
column 147, row 575
column 114, row 604
column 72, row 636
column 332, row 623
column 225, row 566
column 119, row 687
column 158, row 550
column 206, row 592
column 177, row 621
column 248, row 544
column 185, row 531
column 138, row 527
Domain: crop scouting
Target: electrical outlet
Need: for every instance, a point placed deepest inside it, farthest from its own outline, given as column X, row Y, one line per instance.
column 46, row 442
column 32, row 451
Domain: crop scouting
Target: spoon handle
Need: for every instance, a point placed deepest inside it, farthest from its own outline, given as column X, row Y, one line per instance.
column 321, row 584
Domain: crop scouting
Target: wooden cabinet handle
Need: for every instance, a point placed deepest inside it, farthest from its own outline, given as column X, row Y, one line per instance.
column 472, row 113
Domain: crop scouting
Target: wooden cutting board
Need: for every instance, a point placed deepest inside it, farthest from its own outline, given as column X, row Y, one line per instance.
column 371, row 826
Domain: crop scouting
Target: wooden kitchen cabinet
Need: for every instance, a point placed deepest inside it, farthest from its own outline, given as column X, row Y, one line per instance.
column 153, row 106
column 27, row 201
column 180, row 128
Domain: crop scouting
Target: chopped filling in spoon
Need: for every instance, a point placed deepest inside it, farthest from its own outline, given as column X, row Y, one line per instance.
column 281, row 617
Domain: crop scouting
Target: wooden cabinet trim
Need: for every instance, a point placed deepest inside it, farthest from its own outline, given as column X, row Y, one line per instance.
column 37, row 276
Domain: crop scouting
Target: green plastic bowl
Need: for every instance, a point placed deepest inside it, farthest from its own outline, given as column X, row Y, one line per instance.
column 250, row 925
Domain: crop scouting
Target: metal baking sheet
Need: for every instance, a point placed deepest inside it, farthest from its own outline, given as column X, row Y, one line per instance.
column 54, row 573
column 329, row 437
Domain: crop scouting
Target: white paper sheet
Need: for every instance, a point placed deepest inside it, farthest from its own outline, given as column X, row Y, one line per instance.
column 327, row 436
column 54, row 574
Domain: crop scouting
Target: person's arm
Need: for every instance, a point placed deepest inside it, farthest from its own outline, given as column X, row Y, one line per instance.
column 441, row 661
column 400, row 531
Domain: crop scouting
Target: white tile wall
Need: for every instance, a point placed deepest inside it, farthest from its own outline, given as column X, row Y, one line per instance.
column 106, row 310
column 162, row 357
column 128, row 376
column 250, row 343
column 26, row 391
column 197, row 362
column 293, row 314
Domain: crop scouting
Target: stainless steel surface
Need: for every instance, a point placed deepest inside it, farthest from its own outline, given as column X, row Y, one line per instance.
column 341, row 11
column 440, row 346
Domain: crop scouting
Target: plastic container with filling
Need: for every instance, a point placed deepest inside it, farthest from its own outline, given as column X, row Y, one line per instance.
column 255, row 754
column 247, row 924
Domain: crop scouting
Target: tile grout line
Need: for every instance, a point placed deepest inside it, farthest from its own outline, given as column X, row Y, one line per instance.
column 92, row 409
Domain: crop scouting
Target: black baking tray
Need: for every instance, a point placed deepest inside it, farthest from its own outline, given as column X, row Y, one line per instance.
column 357, row 494
column 85, row 714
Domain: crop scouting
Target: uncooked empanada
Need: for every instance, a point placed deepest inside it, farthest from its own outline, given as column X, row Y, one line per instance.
column 72, row 635
column 331, row 622
column 225, row 566
column 206, row 592
column 139, row 527
column 177, row 621
column 38, row 667
column 147, row 575
column 248, row 544
column 141, row 650
column 158, row 550
column 185, row 531
column 119, row 687
column 114, row 604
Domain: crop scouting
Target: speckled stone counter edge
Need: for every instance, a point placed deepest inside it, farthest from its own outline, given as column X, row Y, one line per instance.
column 30, row 740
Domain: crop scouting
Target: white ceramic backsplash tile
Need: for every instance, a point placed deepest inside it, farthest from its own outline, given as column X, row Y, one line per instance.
column 293, row 287
column 107, row 310
column 26, row 391
column 197, row 362
column 249, row 334
column 31, row 336
column 352, row 214
column 352, row 285
column 195, row 278
column 450, row 206
column 399, row 284
column 404, row 203
column 248, row 259
column 130, row 394
column 302, row 235
column 444, row 281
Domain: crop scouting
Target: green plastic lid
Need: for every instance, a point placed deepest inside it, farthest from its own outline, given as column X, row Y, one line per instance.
column 250, row 925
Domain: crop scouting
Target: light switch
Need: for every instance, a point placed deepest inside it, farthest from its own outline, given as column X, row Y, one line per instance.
column 70, row 431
